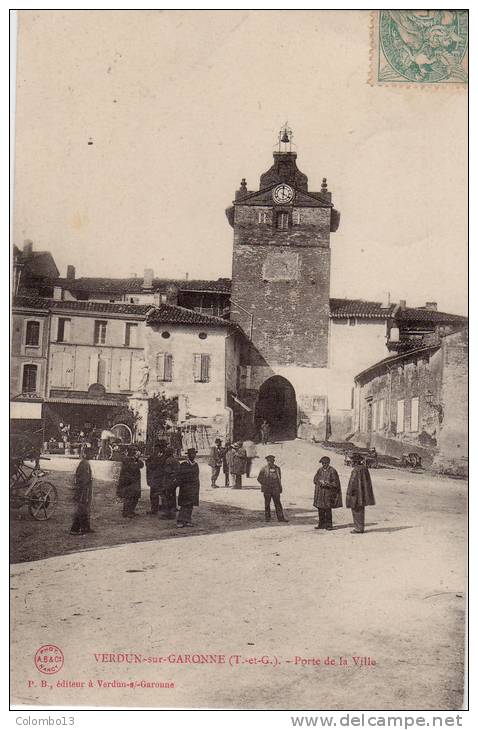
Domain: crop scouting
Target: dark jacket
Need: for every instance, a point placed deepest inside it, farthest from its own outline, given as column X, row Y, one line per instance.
column 130, row 477
column 359, row 490
column 170, row 474
column 83, row 489
column 238, row 461
column 155, row 471
column 268, row 483
column 188, row 480
column 215, row 456
column 327, row 494
column 228, row 458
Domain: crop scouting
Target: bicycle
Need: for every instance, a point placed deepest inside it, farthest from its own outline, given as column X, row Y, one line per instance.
column 30, row 489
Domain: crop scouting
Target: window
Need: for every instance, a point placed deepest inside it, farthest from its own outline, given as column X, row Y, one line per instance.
column 163, row 298
column 164, row 366
column 352, row 321
column 63, row 333
column 131, row 334
column 32, row 334
column 296, row 217
column 262, row 216
column 202, row 335
column 414, row 414
column 380, row 414
column 165, row 335
column 282, row 220
column 201, row 368
column 100, row 332
column 102, row 371
column 400, row 416
column 29, row 380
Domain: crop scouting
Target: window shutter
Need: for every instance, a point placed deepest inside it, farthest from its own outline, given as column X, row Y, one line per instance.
column 135, row 373
column 414, row 417
column 168, row 367
column 197, row 368
column 93, row 377
column 205, row 368
column 68, row 369
column 125, row 373
column 102, row 371
column 67, row 330
column 57, row 368
column 160, row 365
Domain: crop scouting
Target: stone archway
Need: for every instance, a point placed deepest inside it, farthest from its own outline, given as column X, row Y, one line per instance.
column 277, row 404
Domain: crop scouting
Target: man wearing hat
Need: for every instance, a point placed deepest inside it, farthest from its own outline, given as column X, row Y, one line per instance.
column 188, row 497
column 359, row 493
column 270, row 479
column 155, row 475
column 215, row 461
column 238, row 463
column 327, row 494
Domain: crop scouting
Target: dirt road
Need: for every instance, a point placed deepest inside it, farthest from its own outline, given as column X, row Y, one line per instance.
column 283, row 608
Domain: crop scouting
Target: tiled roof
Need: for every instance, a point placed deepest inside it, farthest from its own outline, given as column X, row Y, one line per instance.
column 409, row 354
column 135, row 285
column 172, row 314
column 422, row 314
column 31, row 302
column 342, row 308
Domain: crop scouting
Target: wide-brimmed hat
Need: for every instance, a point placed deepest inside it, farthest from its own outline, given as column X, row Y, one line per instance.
column 271, row 456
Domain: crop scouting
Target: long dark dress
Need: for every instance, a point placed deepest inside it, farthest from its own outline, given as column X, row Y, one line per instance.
column 82, row 496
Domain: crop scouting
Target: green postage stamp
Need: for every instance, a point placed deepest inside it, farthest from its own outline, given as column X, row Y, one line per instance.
column 419, row 47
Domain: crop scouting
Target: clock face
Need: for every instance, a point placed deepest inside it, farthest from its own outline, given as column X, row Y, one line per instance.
column 283, row 193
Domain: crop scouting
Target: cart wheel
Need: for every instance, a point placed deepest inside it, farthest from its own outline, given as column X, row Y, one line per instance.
column 42, row 501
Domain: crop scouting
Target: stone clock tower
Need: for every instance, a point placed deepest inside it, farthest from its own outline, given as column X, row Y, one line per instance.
column 281, row 287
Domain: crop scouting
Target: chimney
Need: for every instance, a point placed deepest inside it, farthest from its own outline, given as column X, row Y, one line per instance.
column 133, row 275
column 148, row 279
column 70, row 272
column 385, row 304
column 186, row 275
column 27, row 248
column 433, row 306
column 403, row 303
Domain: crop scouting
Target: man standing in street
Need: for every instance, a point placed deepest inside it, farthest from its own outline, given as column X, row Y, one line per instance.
column 129, row 485
column 327, row 494
column 265, row 432
column 169, row 484
column 154, row 475
column 270, row 479
column 188, row 496
column 238, row 464
column 177, row 442
column 215, row 461
column 359, row 493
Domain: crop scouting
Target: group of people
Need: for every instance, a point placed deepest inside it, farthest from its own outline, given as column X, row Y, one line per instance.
column 174, row 485
column 234, row 458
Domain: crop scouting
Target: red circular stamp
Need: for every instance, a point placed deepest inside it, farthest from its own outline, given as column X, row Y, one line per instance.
column 49, row 659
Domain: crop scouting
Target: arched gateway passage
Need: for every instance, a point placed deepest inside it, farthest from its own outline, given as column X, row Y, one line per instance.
column 278, row 406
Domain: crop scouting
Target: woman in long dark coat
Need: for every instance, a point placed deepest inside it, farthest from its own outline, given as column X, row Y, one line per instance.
column 359, row 493
column 327, row 493
column 188, row 497
column 82, row 496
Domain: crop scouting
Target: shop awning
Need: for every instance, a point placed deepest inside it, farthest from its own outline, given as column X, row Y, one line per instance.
column 243, row 405
column 25, row 409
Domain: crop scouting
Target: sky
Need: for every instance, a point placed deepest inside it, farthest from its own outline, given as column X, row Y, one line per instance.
column 134, row 129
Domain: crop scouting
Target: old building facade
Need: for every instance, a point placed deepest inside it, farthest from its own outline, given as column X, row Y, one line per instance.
column 417, row 401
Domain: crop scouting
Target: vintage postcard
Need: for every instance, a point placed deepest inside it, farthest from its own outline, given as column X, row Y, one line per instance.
column 239, row 360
